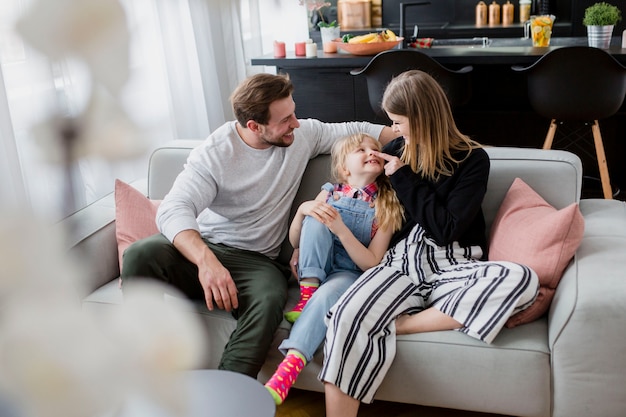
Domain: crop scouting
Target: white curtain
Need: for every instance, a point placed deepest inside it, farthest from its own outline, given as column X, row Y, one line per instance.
column 186, row 57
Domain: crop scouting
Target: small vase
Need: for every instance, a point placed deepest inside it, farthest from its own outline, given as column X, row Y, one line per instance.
column 599, row 36
column 329, row 34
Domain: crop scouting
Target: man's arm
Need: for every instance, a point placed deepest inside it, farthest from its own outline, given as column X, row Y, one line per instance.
column 387, row 135
column 215, row 279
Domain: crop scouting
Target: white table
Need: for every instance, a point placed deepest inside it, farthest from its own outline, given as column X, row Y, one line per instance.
column 214, row 393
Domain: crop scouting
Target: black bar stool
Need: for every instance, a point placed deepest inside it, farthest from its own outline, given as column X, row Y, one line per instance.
column 386, row 65
column 577, row 84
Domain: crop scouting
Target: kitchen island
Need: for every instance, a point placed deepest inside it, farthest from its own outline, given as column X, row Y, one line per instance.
column 497, row 114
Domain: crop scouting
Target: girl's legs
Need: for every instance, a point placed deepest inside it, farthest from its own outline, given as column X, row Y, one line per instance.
column 308, row 333
column 316, row 245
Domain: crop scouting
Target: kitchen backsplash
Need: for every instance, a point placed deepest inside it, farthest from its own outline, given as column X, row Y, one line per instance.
column 442, row 15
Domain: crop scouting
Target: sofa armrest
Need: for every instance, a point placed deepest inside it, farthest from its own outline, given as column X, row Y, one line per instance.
column 588, row 318
column 91, row 240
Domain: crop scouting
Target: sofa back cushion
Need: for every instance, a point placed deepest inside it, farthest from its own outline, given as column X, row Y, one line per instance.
column 166, row 162
column 554, row 174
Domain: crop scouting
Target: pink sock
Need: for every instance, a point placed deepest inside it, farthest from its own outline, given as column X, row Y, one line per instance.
column 306, row 292
column 285, row 375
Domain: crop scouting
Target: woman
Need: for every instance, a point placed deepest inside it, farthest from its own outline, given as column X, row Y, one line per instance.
column 435, row 276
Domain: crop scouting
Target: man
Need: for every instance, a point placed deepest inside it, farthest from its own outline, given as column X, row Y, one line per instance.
column 223, row 221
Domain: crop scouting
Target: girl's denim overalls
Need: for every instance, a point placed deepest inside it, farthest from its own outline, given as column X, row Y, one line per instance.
column 323, row 256
column 321, row 252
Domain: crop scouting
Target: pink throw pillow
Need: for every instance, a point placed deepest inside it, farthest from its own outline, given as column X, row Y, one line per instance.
column 134, row 216
column 529, row 231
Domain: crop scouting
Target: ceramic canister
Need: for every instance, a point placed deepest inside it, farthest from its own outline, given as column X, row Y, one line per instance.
column 481, row 14
column 507, row 13
column 494, row 13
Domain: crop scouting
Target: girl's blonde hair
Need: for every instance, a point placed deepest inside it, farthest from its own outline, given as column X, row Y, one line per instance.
column 387, row 208
column 434, row 135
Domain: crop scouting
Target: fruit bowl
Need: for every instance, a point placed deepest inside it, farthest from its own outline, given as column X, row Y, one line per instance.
column 366, row 48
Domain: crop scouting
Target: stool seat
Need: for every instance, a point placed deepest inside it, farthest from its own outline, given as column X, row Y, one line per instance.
column 577, row 83
column 386, row 65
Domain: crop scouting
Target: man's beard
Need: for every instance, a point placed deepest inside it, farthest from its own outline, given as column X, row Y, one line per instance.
column 280, row 141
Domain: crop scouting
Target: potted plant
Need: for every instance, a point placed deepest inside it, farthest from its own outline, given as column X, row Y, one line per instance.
column 330, row 32
column 600, row 18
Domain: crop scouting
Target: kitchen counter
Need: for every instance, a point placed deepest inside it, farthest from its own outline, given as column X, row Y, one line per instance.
column 509, row 51
column 497, row 114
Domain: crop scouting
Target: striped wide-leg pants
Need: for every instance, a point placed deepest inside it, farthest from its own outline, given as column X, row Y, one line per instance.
column 417, row 274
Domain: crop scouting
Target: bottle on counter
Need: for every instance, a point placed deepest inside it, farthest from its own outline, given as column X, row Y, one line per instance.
column 524, row 10
column 377, row 13
column 494, row 14
column 481, row 14
column 507, row 13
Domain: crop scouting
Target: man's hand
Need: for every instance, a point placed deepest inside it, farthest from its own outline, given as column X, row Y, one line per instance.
column 216, row 281
column 218, row 286
column 393, row 163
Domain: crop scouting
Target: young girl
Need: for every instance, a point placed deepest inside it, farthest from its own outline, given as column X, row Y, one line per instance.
column 434, row 277
column 341, row 233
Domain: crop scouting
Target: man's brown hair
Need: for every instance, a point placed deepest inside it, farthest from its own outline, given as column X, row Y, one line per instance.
column 252, row 98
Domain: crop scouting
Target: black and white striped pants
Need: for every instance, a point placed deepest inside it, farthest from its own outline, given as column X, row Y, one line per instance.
column 414, row 275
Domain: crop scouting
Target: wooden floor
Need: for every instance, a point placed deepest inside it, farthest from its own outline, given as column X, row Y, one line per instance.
column 301, row 403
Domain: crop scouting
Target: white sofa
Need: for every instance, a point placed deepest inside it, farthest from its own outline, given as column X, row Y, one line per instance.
column 569, row 363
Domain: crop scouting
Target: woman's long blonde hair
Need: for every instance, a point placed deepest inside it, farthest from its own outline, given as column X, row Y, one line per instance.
column 387, row 208
column 434, row 135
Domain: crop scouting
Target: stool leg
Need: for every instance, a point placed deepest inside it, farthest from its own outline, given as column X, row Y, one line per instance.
column 547, row 144
column 602, row 165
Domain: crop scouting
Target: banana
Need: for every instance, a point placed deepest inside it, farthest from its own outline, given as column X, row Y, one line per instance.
column 363, row 38
column 384, row 36
column 388, row 35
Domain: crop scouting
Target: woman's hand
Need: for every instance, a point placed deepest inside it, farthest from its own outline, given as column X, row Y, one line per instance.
column 393, row 163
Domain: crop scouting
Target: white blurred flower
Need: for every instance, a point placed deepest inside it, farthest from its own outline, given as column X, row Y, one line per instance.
column 33, row 261
column 57, row 364
column 93, row 30
column 160, row 339
column 56, row 360
column 53, row 361
column 104, row 129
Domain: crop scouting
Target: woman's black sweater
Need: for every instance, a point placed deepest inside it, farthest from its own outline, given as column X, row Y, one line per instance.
column 448, row 209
